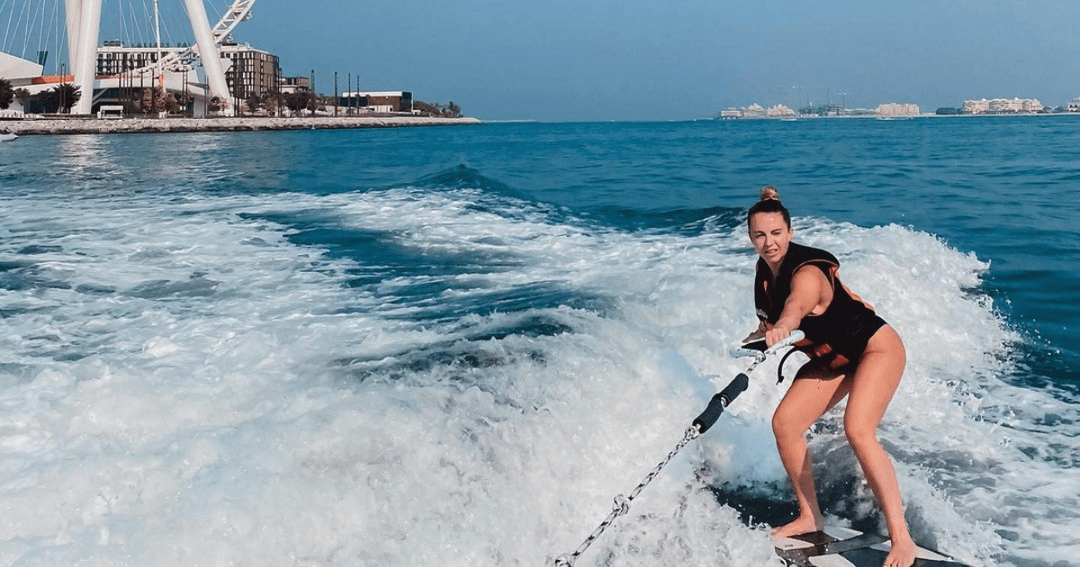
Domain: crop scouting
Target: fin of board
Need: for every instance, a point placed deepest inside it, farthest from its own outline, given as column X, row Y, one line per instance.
column 843, row 547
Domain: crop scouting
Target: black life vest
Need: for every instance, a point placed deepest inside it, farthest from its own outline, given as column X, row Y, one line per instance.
column 836, row 336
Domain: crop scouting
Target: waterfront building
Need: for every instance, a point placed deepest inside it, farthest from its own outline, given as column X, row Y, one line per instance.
column 378, row 101
column 296, row 84
column 897, row 109
column 252, row 72
column 248, row 71
column 755, row 110
column 779, row 111
column 1002, row 106
column 114, row 58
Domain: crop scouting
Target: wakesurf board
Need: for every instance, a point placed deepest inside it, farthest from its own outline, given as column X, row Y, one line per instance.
column 844, row 547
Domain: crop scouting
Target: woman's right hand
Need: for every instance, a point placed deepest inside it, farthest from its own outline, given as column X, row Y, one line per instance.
column 776, row 334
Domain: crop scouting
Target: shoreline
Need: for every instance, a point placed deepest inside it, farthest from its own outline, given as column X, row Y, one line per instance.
column 89, row 125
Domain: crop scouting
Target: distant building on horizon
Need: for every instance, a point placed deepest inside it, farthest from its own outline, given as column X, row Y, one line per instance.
column 897, row 109
column 1003, row 106
column 756, row 111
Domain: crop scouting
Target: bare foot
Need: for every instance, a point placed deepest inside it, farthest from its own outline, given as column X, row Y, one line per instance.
column 802, row 525
column 901, row 554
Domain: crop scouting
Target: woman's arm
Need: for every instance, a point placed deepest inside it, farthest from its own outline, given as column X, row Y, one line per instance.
column 809, row 289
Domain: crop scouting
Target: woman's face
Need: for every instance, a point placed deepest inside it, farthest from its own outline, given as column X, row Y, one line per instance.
column 771, row 237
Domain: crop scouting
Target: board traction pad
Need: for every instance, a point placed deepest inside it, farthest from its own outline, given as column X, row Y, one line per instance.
column 843, row 547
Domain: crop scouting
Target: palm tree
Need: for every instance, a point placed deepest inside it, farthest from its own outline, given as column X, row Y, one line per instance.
column 60, row 98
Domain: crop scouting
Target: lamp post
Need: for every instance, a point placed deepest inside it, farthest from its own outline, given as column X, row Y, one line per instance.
column 62, row 90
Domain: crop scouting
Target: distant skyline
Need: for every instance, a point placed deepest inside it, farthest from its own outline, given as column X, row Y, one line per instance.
column 563, row 60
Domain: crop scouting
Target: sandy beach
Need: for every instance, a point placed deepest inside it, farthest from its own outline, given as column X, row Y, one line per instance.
column 232, row 124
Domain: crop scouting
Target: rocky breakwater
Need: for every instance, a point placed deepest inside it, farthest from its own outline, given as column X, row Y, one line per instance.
column 230, row 124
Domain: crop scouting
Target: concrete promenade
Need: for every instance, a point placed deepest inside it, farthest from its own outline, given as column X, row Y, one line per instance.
column 232, row 124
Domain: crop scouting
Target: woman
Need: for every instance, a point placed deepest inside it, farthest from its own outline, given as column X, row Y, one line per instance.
column 853, row 353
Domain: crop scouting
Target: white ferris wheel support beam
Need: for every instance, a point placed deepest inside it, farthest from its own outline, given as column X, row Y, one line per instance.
column 83, row 22
column 86, row 59
column 208, row 53
column 73, row 13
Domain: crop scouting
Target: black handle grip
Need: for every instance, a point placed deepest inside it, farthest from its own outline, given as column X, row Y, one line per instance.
column 720, row 401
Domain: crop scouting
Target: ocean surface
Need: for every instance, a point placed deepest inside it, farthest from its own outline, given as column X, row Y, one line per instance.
column 456, row 346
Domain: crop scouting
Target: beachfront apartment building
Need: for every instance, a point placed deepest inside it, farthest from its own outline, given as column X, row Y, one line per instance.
column 897, row 109
column 756, row 111
column 248, row 71
column 1002, row 106
column 252, row 72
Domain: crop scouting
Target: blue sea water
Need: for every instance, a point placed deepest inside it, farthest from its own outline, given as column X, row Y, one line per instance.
column 455, row 346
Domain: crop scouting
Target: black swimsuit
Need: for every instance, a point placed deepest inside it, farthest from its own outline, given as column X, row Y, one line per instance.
column 836, row 337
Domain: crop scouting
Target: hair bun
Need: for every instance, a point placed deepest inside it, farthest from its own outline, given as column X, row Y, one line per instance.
column 769, row 192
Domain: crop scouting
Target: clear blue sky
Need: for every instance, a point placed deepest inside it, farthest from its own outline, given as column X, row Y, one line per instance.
column 571, row 60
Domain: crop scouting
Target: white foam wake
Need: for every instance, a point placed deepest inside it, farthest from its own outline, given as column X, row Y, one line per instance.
column 181, row 386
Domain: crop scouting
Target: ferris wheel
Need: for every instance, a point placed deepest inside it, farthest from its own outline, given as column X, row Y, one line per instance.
column 63, row 36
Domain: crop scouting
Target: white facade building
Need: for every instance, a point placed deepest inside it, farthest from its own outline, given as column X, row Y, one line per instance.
column 897, row 109
column 1002, row 106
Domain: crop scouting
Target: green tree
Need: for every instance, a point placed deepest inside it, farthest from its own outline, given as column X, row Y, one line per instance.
column 216, row 104
column 183, row 102
column 270, row 103
column 157, row 99
column 23, row 96
column 427, row 109
column 253, row 103
column 299, row 100
column 451, row 110
column 7, row 94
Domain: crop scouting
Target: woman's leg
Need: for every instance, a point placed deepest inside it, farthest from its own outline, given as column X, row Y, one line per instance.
column 873, row 384
column 814, row 390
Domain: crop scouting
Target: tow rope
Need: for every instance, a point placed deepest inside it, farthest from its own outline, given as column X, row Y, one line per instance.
column 700, row 425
